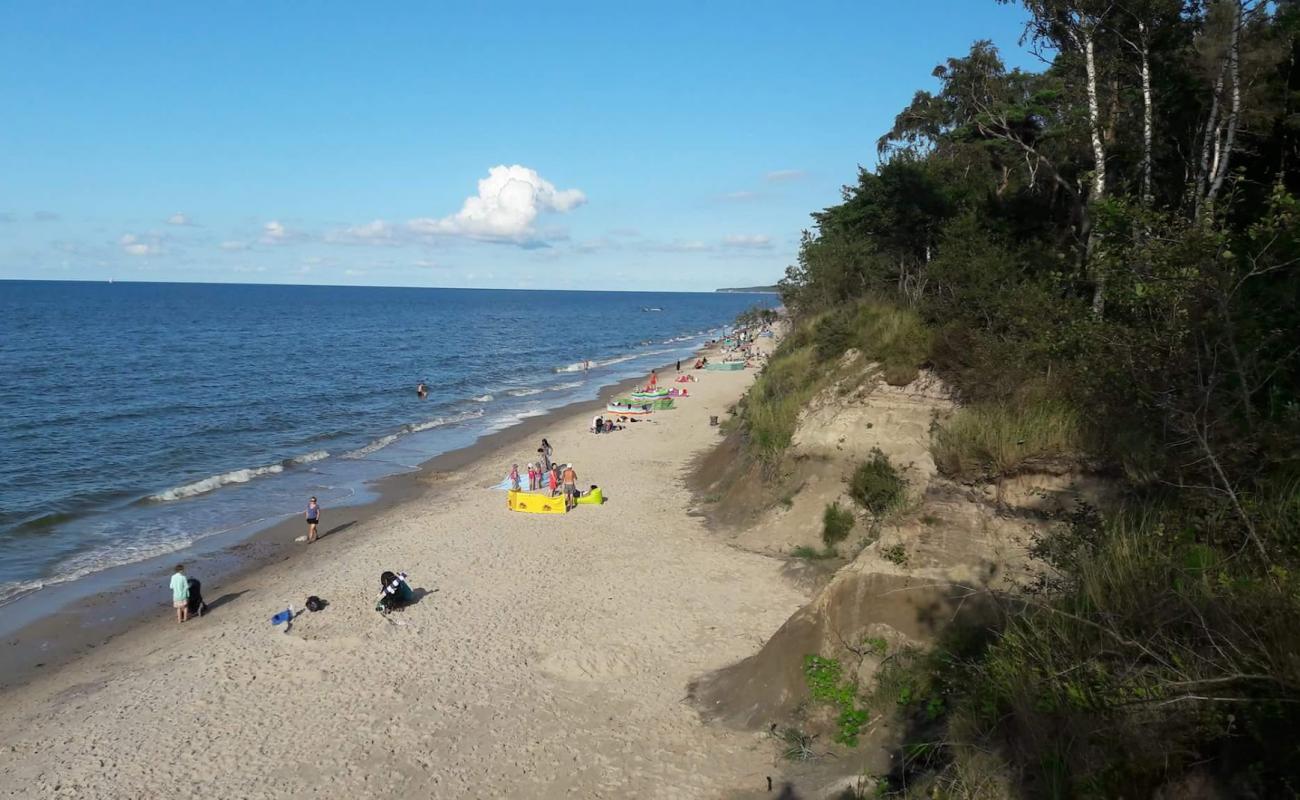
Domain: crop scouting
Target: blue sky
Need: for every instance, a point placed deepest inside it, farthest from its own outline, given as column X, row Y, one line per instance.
column 672, row 146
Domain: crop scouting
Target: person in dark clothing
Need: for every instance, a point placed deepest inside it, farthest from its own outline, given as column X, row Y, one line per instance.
column 394, row 592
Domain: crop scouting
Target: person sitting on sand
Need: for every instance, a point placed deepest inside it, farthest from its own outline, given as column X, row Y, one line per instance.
column 181, row 593
column 394, row 592
column 597, row 425
column 570, row 479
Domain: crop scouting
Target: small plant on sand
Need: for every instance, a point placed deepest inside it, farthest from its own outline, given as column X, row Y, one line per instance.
column 837, row 522
column 813, row 554
column 895, row 554
column 877, row 486
column 796, row 745
column 826, row 682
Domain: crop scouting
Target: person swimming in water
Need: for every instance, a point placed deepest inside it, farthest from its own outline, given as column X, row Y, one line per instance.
column 421, row 390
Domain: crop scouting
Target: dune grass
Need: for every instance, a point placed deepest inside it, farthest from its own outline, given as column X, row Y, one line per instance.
column 995, row 440
column 837, row 523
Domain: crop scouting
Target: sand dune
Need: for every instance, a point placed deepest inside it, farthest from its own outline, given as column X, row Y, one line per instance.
column 549, row 659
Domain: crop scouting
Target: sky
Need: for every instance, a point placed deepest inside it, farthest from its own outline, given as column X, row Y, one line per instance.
column 667, row 146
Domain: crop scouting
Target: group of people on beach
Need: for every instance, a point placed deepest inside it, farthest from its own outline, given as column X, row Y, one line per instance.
column 547, row 475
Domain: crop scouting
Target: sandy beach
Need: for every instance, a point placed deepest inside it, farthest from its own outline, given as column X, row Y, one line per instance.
column 549, row 658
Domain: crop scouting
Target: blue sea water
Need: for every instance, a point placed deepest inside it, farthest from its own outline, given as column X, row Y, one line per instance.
column 138, row 418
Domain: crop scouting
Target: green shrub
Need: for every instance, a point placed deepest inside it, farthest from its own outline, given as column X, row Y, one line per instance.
column 996, row 440
column 837, row 522
column 826, row 683
column 876, row 485
column 771, row 408
column 813, row 554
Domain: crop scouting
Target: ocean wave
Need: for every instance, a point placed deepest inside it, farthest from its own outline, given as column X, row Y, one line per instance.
column 234, row 476
column 523, row 392
column 414, row 427
column 310, row 458
column 484, row 398
column 215, row 482
column 565, row 386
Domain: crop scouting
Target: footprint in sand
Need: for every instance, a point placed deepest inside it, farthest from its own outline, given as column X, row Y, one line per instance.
column 589, row 665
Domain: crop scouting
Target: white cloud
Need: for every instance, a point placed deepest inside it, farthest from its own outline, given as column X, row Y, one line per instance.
column 132, row 245
column 179, row 219
column 508, row 202
column 274, row 232
column 748, row 241
column 377, row 232
column 782, row 175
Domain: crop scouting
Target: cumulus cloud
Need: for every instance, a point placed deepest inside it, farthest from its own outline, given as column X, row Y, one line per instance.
column 179, row 219
column 508, row 202
column 274, row 232
column 133, row 245
column 748, row 241
column 784, row 175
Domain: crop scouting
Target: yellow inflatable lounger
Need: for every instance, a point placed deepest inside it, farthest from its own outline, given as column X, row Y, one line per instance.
column 594, row 497
column 535, row 503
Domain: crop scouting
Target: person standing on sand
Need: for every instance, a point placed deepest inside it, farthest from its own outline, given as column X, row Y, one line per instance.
column 570, row 487
column 312, row 515
column 545, row 450
column 553, row 478
column 514, row 477
column 679, row 365
column 181, row 593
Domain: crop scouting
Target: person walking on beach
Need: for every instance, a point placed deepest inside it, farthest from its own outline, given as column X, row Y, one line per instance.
column 514, row 477
column 570, row 487
column 679, row 365
column 312, row 515
column 181, row 593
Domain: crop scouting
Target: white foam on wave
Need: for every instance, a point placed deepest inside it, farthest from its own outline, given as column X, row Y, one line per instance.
column 564, row 386
column 484, row 398
column 523, row 392
column 234, row 476
column 414, row 427
column 577, row 366
column 215, row 482
column 311, row 458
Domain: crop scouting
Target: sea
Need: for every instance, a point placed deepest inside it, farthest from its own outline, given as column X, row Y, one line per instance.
column 137, row 419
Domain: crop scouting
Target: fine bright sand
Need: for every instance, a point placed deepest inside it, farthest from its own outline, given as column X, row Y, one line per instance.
column 550, row 658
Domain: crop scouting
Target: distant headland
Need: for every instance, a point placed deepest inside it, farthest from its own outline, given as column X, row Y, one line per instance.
column 752, row 290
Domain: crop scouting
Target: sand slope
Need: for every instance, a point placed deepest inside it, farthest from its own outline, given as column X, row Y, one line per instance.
column 550, row 658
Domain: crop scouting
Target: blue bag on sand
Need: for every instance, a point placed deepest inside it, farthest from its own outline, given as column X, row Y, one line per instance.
column 283, row 616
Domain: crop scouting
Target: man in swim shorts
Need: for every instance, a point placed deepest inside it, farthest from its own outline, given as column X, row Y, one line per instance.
column 570, row 487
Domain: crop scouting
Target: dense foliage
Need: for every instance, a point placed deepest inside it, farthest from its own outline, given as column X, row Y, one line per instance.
column 1101, row 257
